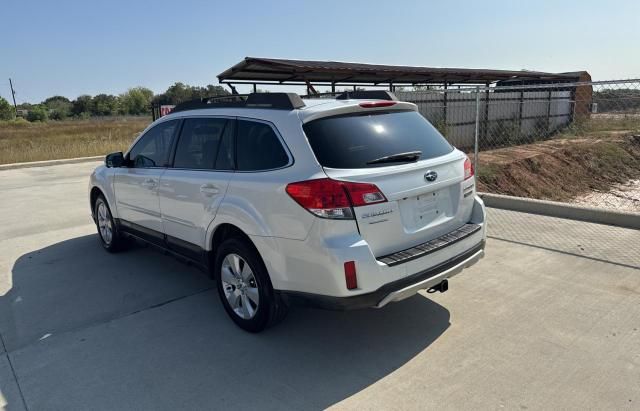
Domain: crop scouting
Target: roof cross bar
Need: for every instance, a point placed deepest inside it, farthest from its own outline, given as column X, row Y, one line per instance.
column 278, row 101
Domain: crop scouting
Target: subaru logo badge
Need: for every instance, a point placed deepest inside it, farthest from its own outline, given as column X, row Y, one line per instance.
column 430, row 175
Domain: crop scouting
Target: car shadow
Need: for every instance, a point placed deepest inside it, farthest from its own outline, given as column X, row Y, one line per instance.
column 76, row 283
column 139, row 329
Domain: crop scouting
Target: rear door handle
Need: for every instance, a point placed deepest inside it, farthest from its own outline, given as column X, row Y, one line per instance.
column 149, row 183
column 209, row 189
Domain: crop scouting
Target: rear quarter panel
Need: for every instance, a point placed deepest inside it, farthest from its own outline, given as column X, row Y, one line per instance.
column 256, row 202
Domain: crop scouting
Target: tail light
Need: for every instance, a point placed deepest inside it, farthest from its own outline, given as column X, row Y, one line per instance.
column 329, row 198
column 468, row 169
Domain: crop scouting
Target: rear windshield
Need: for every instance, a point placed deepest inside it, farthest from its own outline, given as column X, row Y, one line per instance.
column 353, row 141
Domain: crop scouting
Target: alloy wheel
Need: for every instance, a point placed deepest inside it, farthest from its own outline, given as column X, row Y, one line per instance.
column 104, row 223
column 240, row 286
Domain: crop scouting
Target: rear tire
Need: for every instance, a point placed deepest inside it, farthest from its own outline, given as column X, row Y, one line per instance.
column 245, row 288
column 108, row 232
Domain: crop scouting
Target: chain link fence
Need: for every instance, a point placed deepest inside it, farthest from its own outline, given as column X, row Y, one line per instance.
column 575, row 143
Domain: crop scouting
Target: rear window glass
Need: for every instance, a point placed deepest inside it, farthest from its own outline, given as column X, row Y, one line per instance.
column 355, row 140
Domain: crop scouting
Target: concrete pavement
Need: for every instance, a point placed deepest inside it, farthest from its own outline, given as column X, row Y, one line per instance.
column 526, row 328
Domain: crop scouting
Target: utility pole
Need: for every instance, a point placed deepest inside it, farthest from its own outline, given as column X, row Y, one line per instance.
column 13, row 95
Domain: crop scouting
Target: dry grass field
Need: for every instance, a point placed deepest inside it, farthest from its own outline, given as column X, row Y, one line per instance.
column 23, row 141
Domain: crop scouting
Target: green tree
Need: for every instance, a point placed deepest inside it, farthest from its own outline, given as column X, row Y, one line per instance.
column 81, row 105
column 6, row 111
column 208, row 91
column 135, row 101
column 38, row 113
column 104, row 105
column 215, row 91
column 180, row 92
column 59, row 106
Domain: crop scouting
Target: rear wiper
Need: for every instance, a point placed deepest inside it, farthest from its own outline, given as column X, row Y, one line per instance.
column 400, row 157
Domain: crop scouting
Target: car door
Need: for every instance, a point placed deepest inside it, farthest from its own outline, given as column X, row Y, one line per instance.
column 136, row 186
column 192, row 188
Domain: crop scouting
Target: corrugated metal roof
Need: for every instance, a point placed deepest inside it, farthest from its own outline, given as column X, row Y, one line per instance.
column 255, row 69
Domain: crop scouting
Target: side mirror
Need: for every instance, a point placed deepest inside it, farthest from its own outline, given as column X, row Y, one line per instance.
column 114, row 159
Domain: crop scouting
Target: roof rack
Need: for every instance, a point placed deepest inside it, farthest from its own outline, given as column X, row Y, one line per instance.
column 278, row 101
column 367, row 95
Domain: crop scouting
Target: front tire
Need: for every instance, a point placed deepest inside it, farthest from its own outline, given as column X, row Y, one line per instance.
column 108, row 232
column 245, row 288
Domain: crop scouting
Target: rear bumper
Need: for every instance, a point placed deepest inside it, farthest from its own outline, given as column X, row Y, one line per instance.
column 394, row 291
column 315, row 265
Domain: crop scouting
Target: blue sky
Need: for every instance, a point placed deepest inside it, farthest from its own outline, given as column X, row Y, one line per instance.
column 88, row 47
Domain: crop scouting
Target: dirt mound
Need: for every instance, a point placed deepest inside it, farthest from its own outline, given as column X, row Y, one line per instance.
column 560, row 169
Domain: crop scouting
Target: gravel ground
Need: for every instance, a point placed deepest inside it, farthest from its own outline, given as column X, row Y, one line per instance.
column 623, row 197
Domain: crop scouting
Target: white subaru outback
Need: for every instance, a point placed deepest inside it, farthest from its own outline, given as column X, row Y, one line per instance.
column 344, row 203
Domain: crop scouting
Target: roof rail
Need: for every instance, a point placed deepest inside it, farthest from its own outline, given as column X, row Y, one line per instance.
column 278, row 101
column 367, row 95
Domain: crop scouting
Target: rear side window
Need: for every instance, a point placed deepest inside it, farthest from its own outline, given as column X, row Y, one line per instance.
column 199, row 143
column 355, row 140
column 258, row 147
column 226, row 153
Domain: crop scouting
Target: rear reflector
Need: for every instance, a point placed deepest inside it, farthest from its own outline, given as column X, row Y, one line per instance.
column 468, row 169
column 350, row 275
column 334, row 199
column 374, row 104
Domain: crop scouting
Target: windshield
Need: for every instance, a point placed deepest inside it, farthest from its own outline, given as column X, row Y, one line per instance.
column 362, row 140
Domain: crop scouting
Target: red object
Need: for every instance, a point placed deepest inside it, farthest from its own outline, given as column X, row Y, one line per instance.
column 362, row 194
column 350, row 275
column 325, row 193
column 468, row 169
column 373, row 104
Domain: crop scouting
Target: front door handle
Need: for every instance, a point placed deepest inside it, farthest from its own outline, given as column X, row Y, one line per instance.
column 149, row 183
column 209, row 189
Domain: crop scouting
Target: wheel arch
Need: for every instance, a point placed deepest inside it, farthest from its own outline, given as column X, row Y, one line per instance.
column 93, row 197
column 100, row 183
column 225, row 231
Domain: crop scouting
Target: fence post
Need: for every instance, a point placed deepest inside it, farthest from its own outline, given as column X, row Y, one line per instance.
column 475, row 143
column 485, row 122
column 520, row 109
column 572, row 99
column 444, row 107
column 549, row 115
